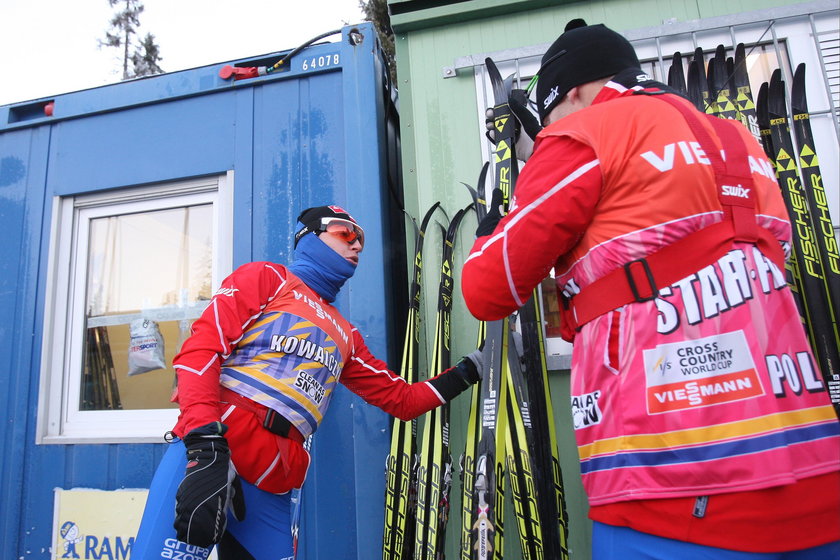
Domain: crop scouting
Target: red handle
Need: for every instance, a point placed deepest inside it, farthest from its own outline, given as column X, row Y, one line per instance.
column 229, row 71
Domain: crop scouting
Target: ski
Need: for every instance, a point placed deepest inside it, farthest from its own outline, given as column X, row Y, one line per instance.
column 730, row 69
column 676, row 75
column 714, row 83
column 400, row 474
column 693, row 89
column 468, row 464
column 818, row 206
column 814, row 292
column 814, row 190
column 703, row 83
column 488, row 514
column 434, row 470
column 743, row 93
column 720, row 84
column 474, row 420
column 762, row 117
column 520, row 443
column 488, row 480
column 792, row 276
column 549, row 478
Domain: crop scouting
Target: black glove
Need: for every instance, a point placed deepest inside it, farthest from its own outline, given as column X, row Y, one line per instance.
column 473, row 365
column 209, row 487
column 526, row 119
column 459, row 377
column 494, row 214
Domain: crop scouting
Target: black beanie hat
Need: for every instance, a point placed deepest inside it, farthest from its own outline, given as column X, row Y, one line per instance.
column 311, row 218
column 582, row 54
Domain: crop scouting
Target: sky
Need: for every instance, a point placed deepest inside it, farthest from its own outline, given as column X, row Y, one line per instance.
column 49, row 47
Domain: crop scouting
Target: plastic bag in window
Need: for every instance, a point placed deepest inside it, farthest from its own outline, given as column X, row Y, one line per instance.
column 145, row 350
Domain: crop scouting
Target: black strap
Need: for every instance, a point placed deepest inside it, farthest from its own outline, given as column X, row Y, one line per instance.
column 277, row 424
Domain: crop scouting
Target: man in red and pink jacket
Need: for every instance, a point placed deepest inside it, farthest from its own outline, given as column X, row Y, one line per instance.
column 703, row 425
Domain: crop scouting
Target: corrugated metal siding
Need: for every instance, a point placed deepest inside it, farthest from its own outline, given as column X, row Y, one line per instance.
column 294, row 140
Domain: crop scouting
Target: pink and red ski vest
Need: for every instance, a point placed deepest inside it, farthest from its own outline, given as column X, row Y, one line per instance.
column 710, row 387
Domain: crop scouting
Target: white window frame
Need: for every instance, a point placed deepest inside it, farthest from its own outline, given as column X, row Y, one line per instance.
column 59, row 419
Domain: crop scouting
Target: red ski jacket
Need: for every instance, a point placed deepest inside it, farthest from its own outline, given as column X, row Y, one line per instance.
column 267, row 342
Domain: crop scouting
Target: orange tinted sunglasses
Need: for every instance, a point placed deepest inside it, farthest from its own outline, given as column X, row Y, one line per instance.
column 344, row 230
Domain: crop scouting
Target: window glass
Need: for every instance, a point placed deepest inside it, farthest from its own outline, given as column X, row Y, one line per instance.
column 140, row 266
column 551, row 307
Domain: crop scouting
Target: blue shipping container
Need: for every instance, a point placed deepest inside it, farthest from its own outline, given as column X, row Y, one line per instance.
column 322, row 131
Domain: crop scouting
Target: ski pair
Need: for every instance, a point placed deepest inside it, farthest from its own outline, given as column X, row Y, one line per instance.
column 418, row 480
column 815, row 264
column 511, row 426
column 813, row 272
column 723, row 91
column 400, row 466
column 434, row 471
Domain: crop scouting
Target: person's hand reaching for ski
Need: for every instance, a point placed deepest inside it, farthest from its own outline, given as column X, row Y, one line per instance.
column 525, row 120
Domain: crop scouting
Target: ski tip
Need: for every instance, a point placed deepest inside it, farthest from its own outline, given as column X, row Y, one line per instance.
column 428, row 216
column 456, row 221
column 500, row 88
column 443, row 230
column 478, row 197
column 482, row 177
column 798, row 99
column 776, row 103
column 719, row 78
column 761, row 106
column 444, row 212
column 741, row 77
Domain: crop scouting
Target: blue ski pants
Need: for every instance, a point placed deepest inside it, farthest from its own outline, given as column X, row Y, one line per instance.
column 264, row 534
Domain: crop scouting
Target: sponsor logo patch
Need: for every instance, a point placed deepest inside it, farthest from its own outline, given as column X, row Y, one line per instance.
column 585, row 410
column 226, row 291
column 552, row 95
column 699, row 373
column 177, row 550
column 738, row 191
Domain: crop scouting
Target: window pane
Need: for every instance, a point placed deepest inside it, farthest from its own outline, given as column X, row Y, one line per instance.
column 148, row 275
column 551, row 309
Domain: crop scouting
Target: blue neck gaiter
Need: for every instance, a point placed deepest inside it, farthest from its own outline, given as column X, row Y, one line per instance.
column 321, row 268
